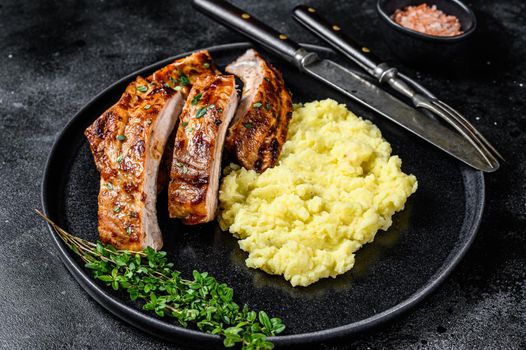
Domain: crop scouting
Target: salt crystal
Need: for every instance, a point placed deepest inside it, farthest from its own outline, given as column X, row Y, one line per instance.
column 427, row 20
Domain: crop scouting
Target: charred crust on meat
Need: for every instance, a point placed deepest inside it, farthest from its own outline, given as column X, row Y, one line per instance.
column 129, row 187
column 257, row 165
column 196, row 154
column 124, row 102
column 275, row 148
column 123, row 163
column 99, row 126
column 265, row 109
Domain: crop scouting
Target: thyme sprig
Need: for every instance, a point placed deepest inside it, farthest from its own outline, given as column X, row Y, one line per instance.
column 201, row 301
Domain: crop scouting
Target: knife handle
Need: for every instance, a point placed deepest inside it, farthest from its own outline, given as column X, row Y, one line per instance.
column 333, row 34
column 251, row 27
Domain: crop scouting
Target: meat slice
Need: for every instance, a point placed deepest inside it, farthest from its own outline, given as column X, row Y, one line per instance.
column 194, row 178
column 128, row 141
column 260, row 125
column 179, row 76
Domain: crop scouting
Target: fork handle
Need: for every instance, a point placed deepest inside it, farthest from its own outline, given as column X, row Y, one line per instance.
column 332, row 33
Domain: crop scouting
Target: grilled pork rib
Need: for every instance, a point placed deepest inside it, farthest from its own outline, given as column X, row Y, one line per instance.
column 260, row 125
column 128, row 141
column 194, row 179
column 179, row 75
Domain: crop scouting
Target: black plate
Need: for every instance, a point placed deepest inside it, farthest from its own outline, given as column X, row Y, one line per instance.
column 391, row 275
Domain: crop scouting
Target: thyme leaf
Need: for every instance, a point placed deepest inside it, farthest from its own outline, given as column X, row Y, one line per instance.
column 200, row 301
column 196, row 99
column 200, row 112
column 183, row 79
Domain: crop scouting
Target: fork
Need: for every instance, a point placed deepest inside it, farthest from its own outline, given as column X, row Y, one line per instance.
column 385, row 74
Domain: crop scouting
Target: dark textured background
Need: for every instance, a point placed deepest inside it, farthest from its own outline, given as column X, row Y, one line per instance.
column 55, row 56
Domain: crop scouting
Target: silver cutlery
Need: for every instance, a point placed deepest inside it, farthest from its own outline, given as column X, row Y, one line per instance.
column 350, row 83
column 385, row 74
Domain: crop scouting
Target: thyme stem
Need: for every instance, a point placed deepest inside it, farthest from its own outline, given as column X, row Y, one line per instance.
column 201, row 302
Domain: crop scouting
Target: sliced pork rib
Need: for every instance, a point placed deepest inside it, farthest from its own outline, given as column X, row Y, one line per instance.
column 260, row 126
column 179, row 76
column 194, row 178
column 128, row 141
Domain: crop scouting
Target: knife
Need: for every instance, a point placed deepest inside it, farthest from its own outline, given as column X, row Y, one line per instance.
column 345, row 81
column 340, row 40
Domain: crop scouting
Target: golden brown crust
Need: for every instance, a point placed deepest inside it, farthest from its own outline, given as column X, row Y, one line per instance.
column 197, row 149
column 192, row 67
column 182, row 73
column 119, row 139
column 257, row 137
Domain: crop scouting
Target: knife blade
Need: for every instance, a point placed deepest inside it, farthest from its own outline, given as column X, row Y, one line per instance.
column 345, row 81
column 385, row 104
column 340, row 39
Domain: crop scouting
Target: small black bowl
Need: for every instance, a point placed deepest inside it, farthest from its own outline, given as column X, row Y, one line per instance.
column 420, row 49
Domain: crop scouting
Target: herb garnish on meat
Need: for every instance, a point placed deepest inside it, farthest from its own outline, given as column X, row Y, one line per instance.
column 196, row 99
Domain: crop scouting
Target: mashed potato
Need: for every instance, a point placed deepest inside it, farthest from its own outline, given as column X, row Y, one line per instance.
column 335, row 186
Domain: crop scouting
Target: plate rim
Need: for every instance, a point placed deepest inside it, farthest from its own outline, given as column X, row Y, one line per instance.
column 177, row 334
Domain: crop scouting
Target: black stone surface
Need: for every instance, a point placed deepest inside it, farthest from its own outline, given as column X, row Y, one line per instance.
column 57, row 55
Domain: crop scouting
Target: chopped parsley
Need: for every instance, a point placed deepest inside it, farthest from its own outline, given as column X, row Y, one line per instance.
column 248, row 125
column 120, row 158
column 147, row 107
column 184, row 124
column 256, row 105
column 117, row 209
column 174, row 85
column 189, row 129
column 129, row 230
column 183, row 79
column 206, row 65
column 267, row 79
column 142, row 88
column 200, row 112
column 121, row 137
column 109, row 186
column 196, row 99
column 267, row 106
